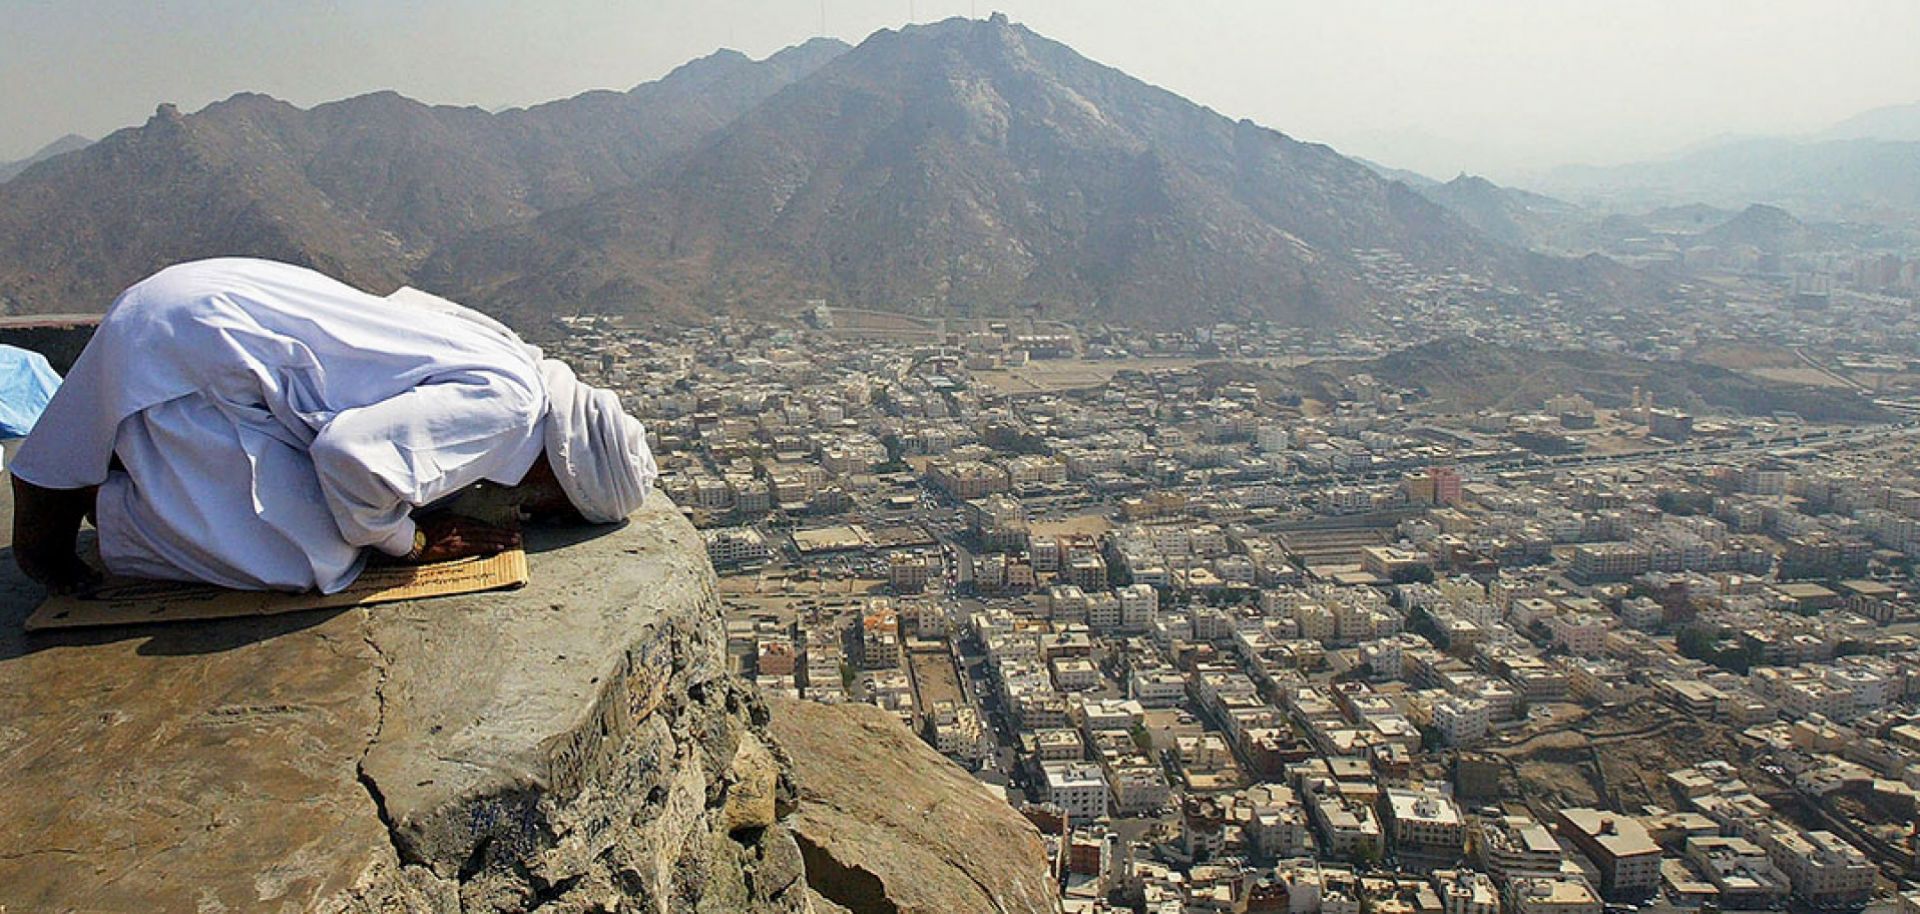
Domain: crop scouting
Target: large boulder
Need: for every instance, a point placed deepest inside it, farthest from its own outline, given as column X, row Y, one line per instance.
column 571, row 746
column 889, row 826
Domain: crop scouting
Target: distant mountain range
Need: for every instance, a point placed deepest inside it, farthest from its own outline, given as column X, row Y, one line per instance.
column 1538, row 222
column 1514, row 216
column 972, row 168
column 1866, row 167
column 965, row 167
column 1896, row 123
column 61, row 146
column 362, row 189
column 1765, row 228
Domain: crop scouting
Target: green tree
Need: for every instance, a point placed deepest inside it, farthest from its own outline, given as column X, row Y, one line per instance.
column 1422, row 623
column 1415, row 574
column 1365, row 856
column 1695, row 642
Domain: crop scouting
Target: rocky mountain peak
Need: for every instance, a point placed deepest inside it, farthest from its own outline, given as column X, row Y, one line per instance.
column 961, row 167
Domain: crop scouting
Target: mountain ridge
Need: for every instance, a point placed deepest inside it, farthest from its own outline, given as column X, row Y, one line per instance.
column 1854, row 178
column 1888, row 122
column 1014, row 169
column 360, row 188
column 61, row 146
column 963, row 167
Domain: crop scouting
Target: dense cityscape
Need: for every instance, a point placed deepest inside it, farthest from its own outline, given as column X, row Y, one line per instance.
column 1235, row 649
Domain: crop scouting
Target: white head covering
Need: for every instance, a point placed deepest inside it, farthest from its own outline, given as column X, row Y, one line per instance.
column 598, row 451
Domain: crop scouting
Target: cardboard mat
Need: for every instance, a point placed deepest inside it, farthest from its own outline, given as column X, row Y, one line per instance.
column 120, row 601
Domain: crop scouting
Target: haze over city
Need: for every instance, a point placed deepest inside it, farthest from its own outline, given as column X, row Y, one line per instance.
column 1497, row 88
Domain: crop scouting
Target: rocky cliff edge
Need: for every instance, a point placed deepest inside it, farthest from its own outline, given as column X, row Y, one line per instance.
column 574, row 746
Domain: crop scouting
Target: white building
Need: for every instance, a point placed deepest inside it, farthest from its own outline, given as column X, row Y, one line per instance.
column 1466, row 892
column 1079, row 788
column 1270, row 439
column 1163, row 688
column 1425, row 821
column 1139, row 606
column 1138, row 789
column 1316, row 622
column 1823, row 868
column 1104, row 612
column 1462, row 721
column 1514, row 846
column 959, row 734
column 730, row 547
column 1075, row 674
column 1582, row 634
column 1061, row 744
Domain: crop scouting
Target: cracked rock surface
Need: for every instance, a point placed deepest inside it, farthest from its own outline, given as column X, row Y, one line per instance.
column 572, row 746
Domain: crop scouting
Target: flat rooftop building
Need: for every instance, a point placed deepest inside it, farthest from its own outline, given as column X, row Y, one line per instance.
column 1425, row 821
column 1627, row 857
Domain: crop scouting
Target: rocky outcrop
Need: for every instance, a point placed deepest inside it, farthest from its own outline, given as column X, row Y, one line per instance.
column 888, row 826
column 573, row 746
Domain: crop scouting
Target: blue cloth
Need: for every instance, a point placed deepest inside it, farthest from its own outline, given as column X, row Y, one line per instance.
column 27, row 382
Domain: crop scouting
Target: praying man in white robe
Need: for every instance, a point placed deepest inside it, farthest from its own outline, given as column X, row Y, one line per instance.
column 260, row 426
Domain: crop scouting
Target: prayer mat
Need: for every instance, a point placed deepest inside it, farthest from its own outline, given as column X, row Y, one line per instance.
column 121, row 601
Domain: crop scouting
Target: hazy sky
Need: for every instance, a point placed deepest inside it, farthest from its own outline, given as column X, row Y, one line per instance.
column 1490, row 87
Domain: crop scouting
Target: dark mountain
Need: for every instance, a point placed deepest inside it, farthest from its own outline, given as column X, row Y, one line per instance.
column 1405, row 176
column 966, row 167
column 1517, row 217
column 973, row 167
column 65, row 144
column 1768, row 228
column 361, row 188
column 1690, row 218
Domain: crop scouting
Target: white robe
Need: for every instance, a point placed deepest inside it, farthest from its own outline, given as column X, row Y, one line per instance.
column 271, row 422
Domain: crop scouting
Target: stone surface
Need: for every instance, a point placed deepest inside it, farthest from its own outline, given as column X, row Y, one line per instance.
column 888, row 826
column 751, row 797
column 823, row 905
column 570, row 746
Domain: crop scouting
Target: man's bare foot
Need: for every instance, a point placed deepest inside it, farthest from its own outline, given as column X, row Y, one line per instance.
column 59, row 575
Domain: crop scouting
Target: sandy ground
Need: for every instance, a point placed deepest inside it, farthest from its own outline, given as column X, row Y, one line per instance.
column 1746, row 358
column 933, row 679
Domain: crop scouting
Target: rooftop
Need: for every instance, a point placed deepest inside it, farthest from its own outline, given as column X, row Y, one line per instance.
column 1620, row 835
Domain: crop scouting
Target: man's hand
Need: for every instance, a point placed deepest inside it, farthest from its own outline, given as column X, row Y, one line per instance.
column 451, row 536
